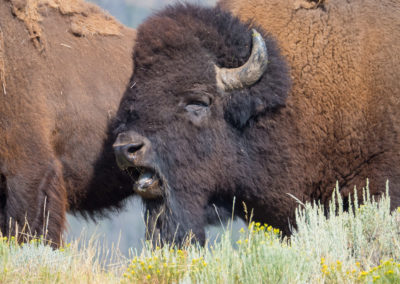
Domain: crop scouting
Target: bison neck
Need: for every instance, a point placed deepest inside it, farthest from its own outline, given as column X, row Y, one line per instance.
column 304, row 156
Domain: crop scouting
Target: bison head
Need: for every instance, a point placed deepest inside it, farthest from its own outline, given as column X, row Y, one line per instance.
column 187, row 125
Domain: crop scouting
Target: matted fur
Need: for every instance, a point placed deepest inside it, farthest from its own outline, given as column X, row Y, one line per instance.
column 339, row 122
column 55, row 153
column 2, row 68
column 85, row 18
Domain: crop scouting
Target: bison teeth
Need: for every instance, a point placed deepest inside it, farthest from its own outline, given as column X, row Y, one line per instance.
column 145, row 180
column 148, row 185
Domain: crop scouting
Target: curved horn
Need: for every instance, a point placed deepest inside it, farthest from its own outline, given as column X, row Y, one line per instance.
column 246, row 75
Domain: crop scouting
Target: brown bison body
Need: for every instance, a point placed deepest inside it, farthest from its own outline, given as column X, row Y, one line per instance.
column 198, row 132
column 342, row 118
column 64, row 66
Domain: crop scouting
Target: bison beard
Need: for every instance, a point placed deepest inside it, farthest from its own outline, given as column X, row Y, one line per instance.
column 195, row 140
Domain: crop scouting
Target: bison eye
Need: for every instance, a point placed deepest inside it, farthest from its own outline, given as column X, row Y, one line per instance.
column 198, row 103
column 197, row 110
column 196, row 107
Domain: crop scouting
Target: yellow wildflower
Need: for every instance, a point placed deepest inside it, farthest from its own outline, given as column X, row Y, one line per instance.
column 389, row 272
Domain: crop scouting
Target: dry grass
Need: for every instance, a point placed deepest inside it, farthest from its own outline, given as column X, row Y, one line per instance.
column 358, row 246
column 77, row 262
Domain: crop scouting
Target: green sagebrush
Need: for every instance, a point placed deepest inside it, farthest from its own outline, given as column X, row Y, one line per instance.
column 329, row 245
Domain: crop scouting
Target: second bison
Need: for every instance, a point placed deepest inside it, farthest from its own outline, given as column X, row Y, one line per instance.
column 64, row 66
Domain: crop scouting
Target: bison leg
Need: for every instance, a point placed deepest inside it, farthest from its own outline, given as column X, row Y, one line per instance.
column 2, row 202
column 36, row 204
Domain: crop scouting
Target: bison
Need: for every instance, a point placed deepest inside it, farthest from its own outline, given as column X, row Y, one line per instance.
column 64, row 66
column 296, row 96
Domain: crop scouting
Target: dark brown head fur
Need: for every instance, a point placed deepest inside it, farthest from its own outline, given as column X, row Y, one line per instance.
column 203, row 143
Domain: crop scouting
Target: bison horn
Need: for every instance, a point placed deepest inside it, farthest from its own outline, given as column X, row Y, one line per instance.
column 236, row 78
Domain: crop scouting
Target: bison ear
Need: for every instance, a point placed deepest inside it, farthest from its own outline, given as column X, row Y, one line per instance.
column 244, row 107
column 258, row 87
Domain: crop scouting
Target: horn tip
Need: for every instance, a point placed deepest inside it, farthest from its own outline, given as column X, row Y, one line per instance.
column 255, row 33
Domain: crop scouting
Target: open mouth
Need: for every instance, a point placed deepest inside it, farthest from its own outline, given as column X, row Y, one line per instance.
column 147, row 182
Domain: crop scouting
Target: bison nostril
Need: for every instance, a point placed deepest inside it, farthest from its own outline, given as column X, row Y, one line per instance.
column 134, row 147
column 130, row 148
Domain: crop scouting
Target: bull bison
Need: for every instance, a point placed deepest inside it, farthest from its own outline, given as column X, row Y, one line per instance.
column 215, row 113
column 64, row 66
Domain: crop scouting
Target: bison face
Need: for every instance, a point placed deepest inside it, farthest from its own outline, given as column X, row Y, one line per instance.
column 201, row 80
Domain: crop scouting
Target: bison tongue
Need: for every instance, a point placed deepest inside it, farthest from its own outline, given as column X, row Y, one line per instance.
column 145, row 180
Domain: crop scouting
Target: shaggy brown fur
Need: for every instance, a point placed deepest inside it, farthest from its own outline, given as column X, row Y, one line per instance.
column 344, row 107
column 2, row 68
column 54, row 152
column 339, row 122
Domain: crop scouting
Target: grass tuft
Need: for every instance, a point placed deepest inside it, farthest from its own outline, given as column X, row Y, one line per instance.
column 330, row 245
